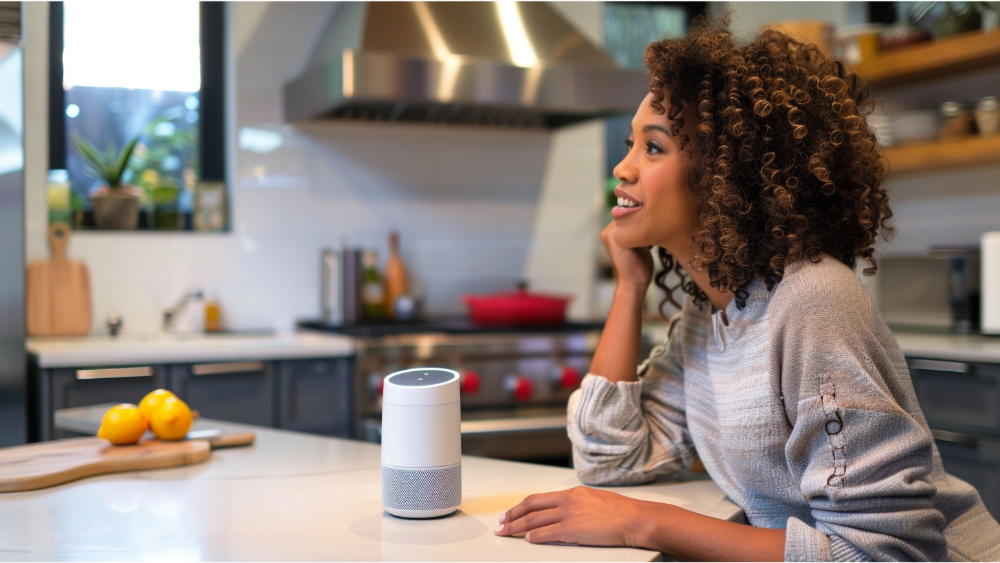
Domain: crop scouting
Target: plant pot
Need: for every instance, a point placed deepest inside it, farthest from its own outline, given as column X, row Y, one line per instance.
column 115, row 210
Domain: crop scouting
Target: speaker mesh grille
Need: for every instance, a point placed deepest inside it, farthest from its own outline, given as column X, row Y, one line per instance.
column 421, row 489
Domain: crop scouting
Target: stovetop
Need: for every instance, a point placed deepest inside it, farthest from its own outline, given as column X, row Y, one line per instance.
column 446, row 325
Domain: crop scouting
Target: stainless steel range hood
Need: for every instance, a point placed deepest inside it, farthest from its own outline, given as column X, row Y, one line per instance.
column 515, row 64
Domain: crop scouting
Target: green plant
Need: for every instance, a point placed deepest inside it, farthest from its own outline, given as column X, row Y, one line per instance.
column 108, row 165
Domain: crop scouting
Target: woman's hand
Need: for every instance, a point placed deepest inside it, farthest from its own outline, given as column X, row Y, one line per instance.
column 634, row 265
column 617, row 353
column 580, row 515
column 586, row 516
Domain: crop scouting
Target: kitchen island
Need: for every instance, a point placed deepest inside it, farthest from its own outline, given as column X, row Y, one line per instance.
column 299, row 497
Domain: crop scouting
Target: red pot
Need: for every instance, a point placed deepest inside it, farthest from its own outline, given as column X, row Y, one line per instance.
column 517, row 308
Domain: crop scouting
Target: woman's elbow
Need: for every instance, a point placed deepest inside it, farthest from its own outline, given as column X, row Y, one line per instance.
column 605, row 473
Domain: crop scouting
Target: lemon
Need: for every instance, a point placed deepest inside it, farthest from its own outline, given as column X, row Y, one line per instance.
column 122, row 424
column 171, row 419
column 151, row 401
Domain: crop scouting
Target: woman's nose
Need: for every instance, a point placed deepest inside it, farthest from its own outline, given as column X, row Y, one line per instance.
column 625, row 172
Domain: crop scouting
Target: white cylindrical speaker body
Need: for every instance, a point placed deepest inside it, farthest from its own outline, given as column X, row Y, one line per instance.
column 990, row 286
column 421, row 443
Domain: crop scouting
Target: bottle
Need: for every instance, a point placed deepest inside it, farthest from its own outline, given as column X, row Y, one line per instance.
column 213, row 316
column 395, row 277
column 372, row 293
column 59, row 198
column 988, row 116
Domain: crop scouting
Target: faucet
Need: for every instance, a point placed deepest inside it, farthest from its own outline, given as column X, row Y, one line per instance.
column 169, row 314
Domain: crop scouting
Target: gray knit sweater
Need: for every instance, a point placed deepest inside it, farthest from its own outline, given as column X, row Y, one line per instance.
column 803, row 412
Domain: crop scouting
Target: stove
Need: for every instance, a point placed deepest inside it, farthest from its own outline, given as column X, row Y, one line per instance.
column 515, row 380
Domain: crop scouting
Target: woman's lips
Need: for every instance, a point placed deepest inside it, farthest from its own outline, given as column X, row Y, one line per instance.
column 617, row 212
column 626, row 205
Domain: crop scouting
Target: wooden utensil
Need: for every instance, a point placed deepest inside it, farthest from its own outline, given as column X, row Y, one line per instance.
column 58, row 291
column 219, row 439
column 36, row 466
column 396, row 282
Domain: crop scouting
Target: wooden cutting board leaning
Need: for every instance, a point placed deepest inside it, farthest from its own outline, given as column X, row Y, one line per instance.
column 36, row 466
column 58, row 291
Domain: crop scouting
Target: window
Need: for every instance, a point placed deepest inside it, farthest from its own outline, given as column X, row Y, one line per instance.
column 150, row 70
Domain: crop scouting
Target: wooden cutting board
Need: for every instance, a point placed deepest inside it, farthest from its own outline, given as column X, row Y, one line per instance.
column 36, row 466
column 58, row 291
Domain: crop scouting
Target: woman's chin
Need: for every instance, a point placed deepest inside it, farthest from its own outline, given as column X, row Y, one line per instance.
column 626, row 239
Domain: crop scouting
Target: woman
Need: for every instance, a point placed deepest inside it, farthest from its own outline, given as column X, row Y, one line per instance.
column 754, row 172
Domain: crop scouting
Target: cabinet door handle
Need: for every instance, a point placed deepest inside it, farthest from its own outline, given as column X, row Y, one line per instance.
column 227, row 367
column 955, row 438
column 938, row 365
column 108, row 373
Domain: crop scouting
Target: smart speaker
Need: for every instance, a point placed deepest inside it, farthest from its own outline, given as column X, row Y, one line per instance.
column 421, row 443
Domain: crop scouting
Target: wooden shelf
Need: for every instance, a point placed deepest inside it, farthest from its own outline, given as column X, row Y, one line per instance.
column 933, row 59
column 932, row 155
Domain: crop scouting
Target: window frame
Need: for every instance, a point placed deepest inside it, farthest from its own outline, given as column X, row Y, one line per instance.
column 212, row 95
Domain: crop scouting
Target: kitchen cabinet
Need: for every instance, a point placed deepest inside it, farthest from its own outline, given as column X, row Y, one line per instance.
column 315, row 396
column 975, row 460
column 961, row 401
column 307, row 395
column 62, row 388
column 958, row 396
column 232, row 391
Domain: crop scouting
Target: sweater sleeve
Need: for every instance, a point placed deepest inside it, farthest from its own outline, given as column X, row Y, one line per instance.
column 632, row 432
column 859, row 445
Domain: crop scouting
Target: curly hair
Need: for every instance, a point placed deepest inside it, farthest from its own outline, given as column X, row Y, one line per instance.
column 783, row 163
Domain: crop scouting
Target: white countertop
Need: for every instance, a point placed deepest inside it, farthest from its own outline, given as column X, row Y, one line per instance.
column 944, row 346
column 99, row 351
column 957, row 347
column 297, row 497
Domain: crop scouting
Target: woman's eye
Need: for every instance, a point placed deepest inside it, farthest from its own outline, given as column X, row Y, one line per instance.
column 629, row 144
column 653, row 148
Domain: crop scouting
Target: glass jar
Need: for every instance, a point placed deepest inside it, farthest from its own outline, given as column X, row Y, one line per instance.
column 988, row 116
column 58, row 196
column 956, row 121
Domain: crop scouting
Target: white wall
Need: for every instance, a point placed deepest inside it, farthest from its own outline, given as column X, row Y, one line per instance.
column 747, row 18
column 477, row 209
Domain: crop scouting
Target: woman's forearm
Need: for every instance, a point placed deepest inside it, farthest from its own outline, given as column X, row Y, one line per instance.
column 617, row 353
column 689, row 536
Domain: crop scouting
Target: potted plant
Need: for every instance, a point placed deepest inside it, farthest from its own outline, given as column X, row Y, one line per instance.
column 115, row 205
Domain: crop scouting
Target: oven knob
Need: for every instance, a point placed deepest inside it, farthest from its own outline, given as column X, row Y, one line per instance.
column 519, row 387
column 566, row 377
column 469, row 383
column 376, row 383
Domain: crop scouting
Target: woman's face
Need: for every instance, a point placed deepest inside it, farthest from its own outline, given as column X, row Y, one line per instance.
column 660, row 208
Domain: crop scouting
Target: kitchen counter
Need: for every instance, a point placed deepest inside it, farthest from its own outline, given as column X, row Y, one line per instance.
column 934, row 345
column 298, row 497
column 82, row 351
column 949, row 346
